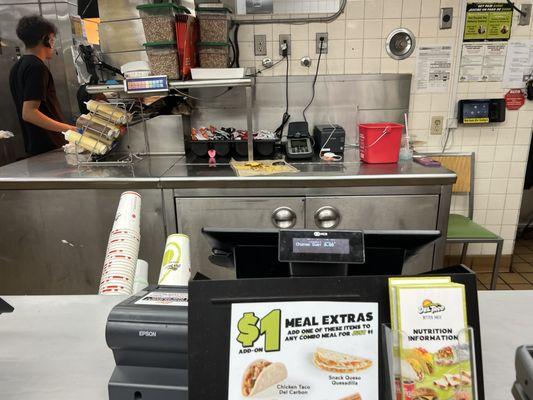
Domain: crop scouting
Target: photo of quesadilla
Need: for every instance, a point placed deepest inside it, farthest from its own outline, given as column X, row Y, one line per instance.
column 445, row 356
column 340, row 363
column 261, row 375
column 424, row 393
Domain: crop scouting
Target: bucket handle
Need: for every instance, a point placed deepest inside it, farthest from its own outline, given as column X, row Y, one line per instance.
column 385, row 131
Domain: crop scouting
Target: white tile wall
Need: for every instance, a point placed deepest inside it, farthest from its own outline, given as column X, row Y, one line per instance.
column 357, row 46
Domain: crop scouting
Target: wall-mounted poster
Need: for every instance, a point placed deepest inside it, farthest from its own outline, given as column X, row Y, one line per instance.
column 483, row 61
column 488, row 21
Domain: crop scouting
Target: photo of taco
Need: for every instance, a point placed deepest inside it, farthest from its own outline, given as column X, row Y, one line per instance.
column 424, row 393
column 423, row 357
column 341, row 363
column 260, row 375
column 411, row 369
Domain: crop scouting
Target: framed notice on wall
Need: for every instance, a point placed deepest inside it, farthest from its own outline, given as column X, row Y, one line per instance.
column 488, row 21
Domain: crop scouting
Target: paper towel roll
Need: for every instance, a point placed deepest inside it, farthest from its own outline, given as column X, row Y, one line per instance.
column 176, row 266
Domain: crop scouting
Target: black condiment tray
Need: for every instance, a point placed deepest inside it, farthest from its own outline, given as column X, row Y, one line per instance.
column 232, row 148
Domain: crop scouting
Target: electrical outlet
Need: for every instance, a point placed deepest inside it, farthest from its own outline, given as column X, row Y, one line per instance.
column 282, row 40
column 525, row 18
column 446, row 18
column 437, row 125
column 260, row 45
column 324, row 44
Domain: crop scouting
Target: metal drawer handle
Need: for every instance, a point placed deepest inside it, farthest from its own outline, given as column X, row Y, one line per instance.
column 284, row 218
column 327, row 217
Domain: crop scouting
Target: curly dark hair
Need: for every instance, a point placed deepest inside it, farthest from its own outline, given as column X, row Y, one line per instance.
column 33, row 29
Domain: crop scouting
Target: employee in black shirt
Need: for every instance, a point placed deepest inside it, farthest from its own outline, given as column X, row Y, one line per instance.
column 33, row 90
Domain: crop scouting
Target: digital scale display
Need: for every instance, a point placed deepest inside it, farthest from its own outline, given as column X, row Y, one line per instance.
column 146, row 84
column 326, row 246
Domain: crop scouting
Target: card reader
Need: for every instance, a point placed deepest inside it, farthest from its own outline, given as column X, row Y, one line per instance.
column 299, row 141
column 523, row 386
column 148, row 336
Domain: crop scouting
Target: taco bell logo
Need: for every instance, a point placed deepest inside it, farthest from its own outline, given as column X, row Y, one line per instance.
column 428, row 307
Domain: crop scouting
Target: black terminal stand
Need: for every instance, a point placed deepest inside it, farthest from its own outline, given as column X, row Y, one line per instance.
column 210, row 304
column 5, row 307
column 271, row 253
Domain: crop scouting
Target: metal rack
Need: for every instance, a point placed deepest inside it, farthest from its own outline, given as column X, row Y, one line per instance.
column 99, row 160
column 246, row 83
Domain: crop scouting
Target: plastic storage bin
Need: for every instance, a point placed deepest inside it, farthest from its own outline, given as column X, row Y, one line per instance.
column 164, row 59
column 379, row 143
column 214, row 25
column 214, row 55
column 159, row 20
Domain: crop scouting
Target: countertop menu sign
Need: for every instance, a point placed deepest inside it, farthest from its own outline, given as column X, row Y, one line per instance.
column 488, row 21
column 304, row 350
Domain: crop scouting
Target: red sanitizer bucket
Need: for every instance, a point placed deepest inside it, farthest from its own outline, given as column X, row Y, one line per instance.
column 379, row 143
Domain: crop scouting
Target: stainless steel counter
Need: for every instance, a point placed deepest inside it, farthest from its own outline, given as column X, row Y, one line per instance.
column 51, row 171
column 55, row 214
column 64, row 352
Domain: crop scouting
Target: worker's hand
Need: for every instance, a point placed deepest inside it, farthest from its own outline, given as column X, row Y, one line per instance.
column 67, row 127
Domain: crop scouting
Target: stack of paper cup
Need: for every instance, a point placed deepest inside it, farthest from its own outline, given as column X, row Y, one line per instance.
column 141, row 276
column 118, row 274
column 176, row 266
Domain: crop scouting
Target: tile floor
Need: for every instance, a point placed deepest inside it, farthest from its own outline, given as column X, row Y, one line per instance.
column 521, row 275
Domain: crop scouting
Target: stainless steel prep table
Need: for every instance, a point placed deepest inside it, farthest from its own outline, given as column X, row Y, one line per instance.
column 56, row 218
column 62, row 354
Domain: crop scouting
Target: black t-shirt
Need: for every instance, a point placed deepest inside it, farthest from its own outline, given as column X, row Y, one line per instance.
column 30, row 79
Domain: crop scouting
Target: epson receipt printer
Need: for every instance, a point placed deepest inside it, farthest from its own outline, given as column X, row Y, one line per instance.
column 148, row 336
column 523, row 386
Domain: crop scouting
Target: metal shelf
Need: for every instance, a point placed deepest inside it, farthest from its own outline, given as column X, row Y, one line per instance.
column 212, row 83
column 246, row 83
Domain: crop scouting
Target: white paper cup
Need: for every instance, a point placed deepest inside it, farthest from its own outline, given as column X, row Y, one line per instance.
column 117, row 280
column 115, row 292
column 176, row 265
column 119, row 276
column 116, row 284
column 125, row 232
column 128, row 214
column 121, row 252
column 119, row 240
column 141, row 276
column 131, row 238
